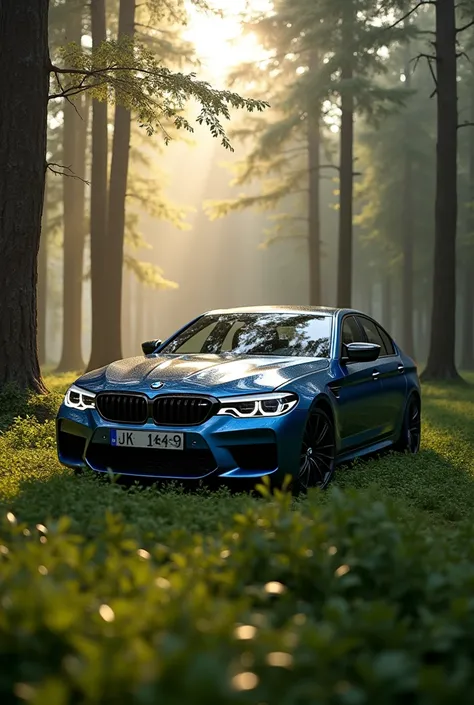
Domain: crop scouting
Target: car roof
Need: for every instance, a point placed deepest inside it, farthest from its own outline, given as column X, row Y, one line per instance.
column 326, row 310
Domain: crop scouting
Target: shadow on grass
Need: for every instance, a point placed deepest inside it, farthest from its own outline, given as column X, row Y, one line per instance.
column 438, row 482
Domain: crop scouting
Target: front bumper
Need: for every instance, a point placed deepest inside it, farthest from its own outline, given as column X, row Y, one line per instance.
column 221, row 447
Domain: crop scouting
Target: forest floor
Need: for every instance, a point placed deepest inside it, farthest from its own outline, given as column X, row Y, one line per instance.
column 361, row 594
column 437, row 484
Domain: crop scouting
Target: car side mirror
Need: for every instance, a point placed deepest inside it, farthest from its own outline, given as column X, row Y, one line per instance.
column 361, row 352
column 150, row 346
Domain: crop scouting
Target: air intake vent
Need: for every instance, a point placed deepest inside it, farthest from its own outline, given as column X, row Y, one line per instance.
column 122, row 408
column 181, row 410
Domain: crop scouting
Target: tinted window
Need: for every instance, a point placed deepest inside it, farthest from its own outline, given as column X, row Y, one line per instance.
column 304, row 335
column 372, row 333
column 387, row 341
column 351, row 332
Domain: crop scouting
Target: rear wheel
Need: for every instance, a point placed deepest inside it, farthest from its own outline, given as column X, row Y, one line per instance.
column 410, row 436
column 318, row 453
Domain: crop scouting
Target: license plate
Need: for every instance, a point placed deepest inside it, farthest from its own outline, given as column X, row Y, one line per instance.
column 147, row 439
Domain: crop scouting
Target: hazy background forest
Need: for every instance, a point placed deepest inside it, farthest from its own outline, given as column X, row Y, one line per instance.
column 209, row 228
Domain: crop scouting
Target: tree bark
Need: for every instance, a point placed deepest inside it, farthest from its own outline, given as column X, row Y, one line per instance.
column 116, row 211
column 42, row 288
column 24, row 83
column 314, row 209
column 314, row 216
column 407, row 230
column 344, row 278
column 74, row 147
column 98, row 220
column 126, row 312
column 467, row 344
column 441, row 363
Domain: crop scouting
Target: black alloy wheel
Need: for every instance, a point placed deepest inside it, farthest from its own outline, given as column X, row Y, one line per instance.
column 318, row 452
column 410, row 438
column 414, row 426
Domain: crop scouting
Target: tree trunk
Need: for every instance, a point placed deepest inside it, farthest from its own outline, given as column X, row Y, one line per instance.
column 74, row 235
column 407, row 230
column 387, row 302
column 24, row 83
column 116, row 212
column 314, row 219
column 126, row 312
column 314, row 206
column 467, row 344
column 42, row 288
column 441, row 359
column 346, row 175
column 98, row 220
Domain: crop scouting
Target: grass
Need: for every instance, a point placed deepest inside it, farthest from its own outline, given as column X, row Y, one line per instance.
column 357, row 596
column 437, row 485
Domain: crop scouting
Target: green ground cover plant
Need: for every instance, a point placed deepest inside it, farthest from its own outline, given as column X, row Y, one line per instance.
column 116, row 594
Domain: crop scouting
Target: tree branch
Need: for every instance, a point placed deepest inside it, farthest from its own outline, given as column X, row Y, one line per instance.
column 410, row 12
column 429, row 58
column 66, row 171
column 464, row 27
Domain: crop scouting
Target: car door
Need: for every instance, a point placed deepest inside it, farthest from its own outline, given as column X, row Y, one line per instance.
column 357, row 391
column 390, row 367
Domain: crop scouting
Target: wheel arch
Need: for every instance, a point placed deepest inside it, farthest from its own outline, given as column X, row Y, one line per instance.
column 412, row 393
column 322, row 401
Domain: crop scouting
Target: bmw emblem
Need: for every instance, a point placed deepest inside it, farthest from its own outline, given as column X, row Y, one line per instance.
column 156, row 385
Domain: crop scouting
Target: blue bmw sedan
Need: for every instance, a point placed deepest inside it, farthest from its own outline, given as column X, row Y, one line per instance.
column 246, row 393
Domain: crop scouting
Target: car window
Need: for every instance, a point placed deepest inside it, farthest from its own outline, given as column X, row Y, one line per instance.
column 198, row 341
column 232, row 336
column 351, row 333
column 373, row 334
column 389, row 346
column 289, row 334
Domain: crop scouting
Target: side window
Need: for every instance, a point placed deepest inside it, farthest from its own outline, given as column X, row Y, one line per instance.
column 373, row 334
column 387, row 341
column 351, row 332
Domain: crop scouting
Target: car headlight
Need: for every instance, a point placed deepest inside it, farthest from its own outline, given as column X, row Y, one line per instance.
column 77, row 398
column 275, row 404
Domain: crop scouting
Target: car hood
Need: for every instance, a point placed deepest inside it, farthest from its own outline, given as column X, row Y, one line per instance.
column 214, row 374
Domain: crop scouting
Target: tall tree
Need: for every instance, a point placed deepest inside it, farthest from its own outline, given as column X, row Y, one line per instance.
column 407, row 223
column 346, row 168
column 441, row 358
column 74, row 156
column 467, row 265
column 98, row 204
column 42, row 288
column 314, row 199
column 23, row 117
column 116, row 210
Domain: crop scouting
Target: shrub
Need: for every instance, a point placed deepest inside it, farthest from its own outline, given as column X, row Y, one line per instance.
column 343, row 604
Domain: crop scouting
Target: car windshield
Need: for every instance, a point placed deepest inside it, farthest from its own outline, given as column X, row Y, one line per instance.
column 292, row 334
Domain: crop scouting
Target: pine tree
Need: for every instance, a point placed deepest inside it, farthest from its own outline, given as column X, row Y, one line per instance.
column 325, row 57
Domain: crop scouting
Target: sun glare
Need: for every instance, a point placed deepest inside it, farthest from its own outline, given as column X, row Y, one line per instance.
column 220, row 42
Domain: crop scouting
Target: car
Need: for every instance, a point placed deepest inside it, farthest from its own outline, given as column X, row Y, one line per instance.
column 244, row 393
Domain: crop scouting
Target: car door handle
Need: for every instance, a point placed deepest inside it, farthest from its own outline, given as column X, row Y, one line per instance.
column 375, row 374
column 401, row 368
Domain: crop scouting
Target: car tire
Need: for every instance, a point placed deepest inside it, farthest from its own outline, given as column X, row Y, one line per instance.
column 318, row 453
column 410, row 436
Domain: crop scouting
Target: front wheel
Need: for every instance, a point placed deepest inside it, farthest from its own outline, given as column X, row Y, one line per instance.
column 410, row 436
column 318, row 453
